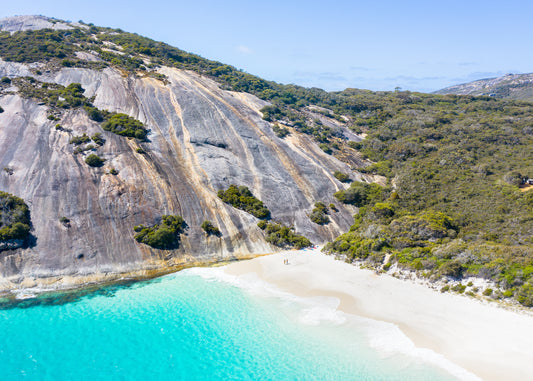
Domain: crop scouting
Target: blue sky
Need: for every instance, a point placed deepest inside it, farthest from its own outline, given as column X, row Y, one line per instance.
column 377, row 45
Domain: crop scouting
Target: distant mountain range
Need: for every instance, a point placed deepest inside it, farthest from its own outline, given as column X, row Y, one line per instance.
column 510, row 86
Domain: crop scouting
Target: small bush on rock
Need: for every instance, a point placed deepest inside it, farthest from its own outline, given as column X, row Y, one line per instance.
column 94, row 160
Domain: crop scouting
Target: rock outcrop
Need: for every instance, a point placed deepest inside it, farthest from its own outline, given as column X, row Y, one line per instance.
column 18, row 23
column 202, row 139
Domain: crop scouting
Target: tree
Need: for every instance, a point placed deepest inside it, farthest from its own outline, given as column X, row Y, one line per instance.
column 94, row 160
column 210, row 229
column 165, row 235
column 124, row 125
column 356, row 194
column 342, row 177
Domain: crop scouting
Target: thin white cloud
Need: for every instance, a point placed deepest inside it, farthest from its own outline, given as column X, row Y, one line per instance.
column 243, row 49
column 360, row 68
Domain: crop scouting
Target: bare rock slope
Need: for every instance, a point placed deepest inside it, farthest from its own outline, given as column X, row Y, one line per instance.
column 17, row 23
column 202, row 139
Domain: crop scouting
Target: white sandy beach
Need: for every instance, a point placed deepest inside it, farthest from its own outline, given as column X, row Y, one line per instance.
column 486, row 340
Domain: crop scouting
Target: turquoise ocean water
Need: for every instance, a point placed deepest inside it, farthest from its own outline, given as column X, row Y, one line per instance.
column 196, row 325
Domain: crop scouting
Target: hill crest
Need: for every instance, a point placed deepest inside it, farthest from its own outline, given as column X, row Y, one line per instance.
column 509, row 86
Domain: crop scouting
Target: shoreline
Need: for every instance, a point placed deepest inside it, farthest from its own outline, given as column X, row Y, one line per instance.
column 487, row 339
column 33, row 287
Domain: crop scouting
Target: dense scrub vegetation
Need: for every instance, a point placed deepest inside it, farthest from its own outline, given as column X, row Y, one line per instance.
column 15, row 220
column 39, row 45
column 282, row 236
column 242, row 198
column 435, row 241
column 124, row 125
column 59, row 97
column 165, row 235
column 52, row 94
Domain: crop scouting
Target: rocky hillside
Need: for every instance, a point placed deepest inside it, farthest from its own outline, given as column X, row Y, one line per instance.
column 124, row 151
column 510, row 86
column 202, row 138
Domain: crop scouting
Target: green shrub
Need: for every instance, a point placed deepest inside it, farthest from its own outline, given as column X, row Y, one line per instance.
column 95, row 114
column 383, row 209
column 242, row 198
column 382, row 168
column 460, row 288
column 282, row 236
column 98, row 139
column 14, row 218
column 487, row 292
column 6, row 80
column 342, row 177
column 360, row 193
column 77, row 140
column 262, row 224
column 319, row 214
column 113, row 172
column 524, row 295
column 17, row 230
column 353, row 246
column 80, row 149
column 280, row 132
column 326, row 148
column 452, row 269
column 445, row 288
column 124, row 125
column 39, row 45
column 210, row 229
column 94, row 160
column 165, row 235
column 420, row 230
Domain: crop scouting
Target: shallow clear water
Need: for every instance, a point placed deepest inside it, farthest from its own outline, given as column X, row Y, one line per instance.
column 193, row 326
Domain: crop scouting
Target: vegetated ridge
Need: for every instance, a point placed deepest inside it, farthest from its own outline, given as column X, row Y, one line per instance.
column 510, row 86
column 439, row 183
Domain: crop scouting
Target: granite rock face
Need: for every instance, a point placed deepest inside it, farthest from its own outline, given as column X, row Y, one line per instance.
column 202, row 139
column 18, row 23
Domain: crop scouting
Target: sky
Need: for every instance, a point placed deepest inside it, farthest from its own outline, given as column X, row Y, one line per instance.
column 374, row 44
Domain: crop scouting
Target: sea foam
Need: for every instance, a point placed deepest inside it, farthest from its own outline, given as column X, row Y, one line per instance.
column 385, row 338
